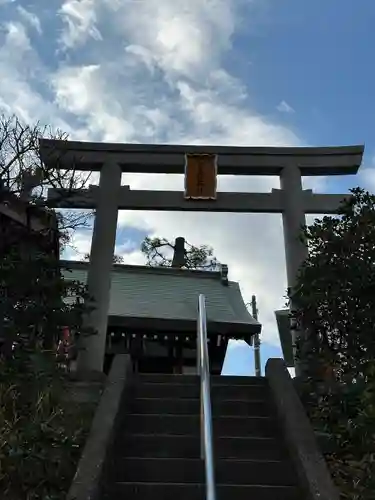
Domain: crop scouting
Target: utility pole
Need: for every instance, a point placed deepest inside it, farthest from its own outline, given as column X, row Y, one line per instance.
column 258, row 371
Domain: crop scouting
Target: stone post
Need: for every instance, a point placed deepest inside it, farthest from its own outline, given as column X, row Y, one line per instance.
column 179, row 253
column 256, row 339
column 293, row 219
column 91, row 358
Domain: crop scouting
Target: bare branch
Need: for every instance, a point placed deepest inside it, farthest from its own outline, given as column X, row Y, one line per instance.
column 23, row 173
column 195, row 257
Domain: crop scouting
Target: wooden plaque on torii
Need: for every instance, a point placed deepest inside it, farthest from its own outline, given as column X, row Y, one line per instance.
column 200, row 176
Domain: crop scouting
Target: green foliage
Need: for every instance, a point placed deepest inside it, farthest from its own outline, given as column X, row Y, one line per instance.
column 41, row 436
column 117, row 259
column 159, row 252
column 32, row 305
column 347, row 416
column 336, row 311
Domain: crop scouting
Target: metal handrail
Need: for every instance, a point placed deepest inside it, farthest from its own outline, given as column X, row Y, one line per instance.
column 203, row 368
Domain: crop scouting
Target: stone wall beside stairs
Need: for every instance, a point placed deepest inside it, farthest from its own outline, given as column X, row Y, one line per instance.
column 85, row 485
column 301, row 440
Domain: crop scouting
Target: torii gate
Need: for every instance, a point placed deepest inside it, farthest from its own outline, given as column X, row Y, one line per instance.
column 293, row 202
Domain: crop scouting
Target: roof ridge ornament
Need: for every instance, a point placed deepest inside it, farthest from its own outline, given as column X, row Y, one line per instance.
column 224, row 274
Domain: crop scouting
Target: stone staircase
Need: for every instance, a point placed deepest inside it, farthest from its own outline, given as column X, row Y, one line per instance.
column 156, row 450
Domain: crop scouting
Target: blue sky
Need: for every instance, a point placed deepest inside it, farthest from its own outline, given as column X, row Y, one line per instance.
column 240, row 72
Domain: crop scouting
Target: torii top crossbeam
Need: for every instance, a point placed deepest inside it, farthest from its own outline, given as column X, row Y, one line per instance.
column 232, row 160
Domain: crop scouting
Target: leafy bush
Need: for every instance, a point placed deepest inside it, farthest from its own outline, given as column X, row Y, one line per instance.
column 346, row 415
column 336, row 311
column 40, row 435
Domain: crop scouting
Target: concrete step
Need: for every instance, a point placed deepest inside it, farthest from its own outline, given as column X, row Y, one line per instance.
column 164, row 378
column 183, row 491
column 189, row 391
column 171, row 446
column 194, row 379
column 190, row 425
column 187, row 406
column 183, row 470
column 238, row 380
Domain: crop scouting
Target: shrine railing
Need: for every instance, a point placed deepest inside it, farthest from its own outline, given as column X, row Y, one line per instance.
column 203, row 368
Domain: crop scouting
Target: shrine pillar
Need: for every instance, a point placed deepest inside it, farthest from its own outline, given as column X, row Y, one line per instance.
column 91, row 358
column 293, row 219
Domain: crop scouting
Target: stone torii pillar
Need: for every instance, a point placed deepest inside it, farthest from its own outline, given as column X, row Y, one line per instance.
column 294, row 218
column 91, row 357
column 296, row 251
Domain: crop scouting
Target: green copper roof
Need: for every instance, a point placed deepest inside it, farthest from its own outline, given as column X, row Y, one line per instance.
column 171, row 294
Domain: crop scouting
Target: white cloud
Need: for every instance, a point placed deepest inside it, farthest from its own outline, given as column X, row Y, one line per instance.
column 184, row 38
column 16, row 55
column 284, row 107
column 366, row 177
column 30, row 18
column 80, row 245
column 239, row 359
column 16, row 36
column 141, row 54
column 22, row 80
column 79, row 17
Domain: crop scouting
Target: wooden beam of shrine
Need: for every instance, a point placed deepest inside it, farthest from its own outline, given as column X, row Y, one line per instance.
column 153, row 159
column 174, row 201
